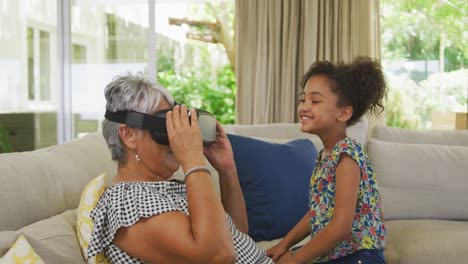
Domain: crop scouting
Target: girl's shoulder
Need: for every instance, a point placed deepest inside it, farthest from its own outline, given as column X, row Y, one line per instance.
column 348, row 144
column 351, row 147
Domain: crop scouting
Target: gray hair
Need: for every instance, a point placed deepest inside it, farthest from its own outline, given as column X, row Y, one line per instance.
column 130, row 92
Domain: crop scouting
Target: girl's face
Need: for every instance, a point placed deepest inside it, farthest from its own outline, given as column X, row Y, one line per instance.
column 318, row 109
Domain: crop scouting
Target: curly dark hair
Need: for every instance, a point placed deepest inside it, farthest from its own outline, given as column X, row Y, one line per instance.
column 360, row 84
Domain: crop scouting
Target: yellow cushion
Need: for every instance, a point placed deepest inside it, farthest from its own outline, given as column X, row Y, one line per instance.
column 21, row 252
column 84, row 224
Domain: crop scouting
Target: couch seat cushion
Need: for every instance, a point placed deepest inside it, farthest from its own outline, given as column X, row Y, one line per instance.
column 54, row 239
column 426, row 241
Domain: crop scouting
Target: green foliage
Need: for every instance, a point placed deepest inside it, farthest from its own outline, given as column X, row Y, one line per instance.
column 398, row 112
column 411, row 104
column 197, row 89
column 208, row 86
column 413, row 29
column 165, row 59
column 418, row 30
column 5, row 146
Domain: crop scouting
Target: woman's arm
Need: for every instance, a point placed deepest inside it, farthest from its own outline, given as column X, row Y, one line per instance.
column 339, row 228
column 173, row 237
column 221, row 157
column 203, row 236
column 233, row 199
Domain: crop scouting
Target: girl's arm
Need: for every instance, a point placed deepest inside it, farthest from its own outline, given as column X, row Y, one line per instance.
column 297, row 234
column 346, row 193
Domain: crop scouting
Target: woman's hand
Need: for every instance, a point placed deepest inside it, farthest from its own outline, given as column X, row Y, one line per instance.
column 185, row 138
column 219, row 153
column 277, row 251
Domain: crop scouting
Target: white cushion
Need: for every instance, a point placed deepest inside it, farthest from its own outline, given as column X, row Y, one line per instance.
column 21, row 251
column 289, row 131
column 54, row 239
column 421, row 181
column 413, row 136
column 426, row 241
column 38, row 184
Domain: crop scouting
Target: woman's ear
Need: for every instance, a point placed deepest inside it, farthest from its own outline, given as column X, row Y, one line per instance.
column 345, row 114
column 128, row 136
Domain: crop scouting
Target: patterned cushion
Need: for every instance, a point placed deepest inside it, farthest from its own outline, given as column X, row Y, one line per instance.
column 21, row 252
column 84, row 224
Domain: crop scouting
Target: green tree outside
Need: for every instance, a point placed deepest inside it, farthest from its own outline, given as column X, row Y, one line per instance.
column 210, row 87
column 425, row 30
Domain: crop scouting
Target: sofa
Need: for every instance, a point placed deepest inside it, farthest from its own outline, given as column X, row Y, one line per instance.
column 422, row 176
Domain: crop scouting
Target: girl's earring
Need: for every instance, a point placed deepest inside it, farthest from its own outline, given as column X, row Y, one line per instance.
column 137, row 157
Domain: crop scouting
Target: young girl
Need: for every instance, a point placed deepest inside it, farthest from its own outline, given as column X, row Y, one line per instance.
column 345, row 220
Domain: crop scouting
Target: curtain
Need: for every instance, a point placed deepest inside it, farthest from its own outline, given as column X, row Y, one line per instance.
column 277, row 41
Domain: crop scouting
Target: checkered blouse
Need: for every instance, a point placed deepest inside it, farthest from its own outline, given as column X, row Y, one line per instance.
column 123, row 204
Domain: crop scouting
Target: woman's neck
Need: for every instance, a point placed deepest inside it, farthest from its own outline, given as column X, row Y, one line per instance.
column 134, row 171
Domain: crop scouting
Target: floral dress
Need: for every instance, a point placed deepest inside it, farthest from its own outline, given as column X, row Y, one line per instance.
column 368, row 229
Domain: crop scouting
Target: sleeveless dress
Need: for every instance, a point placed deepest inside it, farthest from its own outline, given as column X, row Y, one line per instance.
column 124, row 203
column 368, row 228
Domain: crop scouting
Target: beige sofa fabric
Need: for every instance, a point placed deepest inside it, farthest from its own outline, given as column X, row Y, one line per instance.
column 292, row 131
column 417, row 181
column 412, row 136
column 421, row 181
column 53, row 239
column 427, row 241
column 39, row 184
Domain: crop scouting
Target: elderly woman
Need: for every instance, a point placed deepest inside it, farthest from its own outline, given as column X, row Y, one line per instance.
column 143, row 217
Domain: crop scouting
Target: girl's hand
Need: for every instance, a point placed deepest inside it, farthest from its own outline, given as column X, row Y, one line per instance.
column 219, row 153
column 286, row 258
column 277, row 251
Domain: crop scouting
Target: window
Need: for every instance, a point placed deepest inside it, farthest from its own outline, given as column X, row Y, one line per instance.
column 78, row 53
column 107, row 38
column 38, row 45
column 425, row 57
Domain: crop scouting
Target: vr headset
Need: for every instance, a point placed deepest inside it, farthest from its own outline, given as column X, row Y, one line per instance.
column 156, row 124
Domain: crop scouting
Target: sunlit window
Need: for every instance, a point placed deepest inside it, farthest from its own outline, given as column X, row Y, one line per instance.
column 195, row 60
column 38, row 61
column 425, row 57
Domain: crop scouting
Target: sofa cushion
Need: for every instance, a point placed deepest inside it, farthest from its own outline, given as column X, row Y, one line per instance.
column 21, row 250
column 89, row 198
column 421, row 181
column 413, row 136
column 54, row 239
column 292, row 131
column 38, row 184
column 274, row 179
column 5, row 241
column 426, row 241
